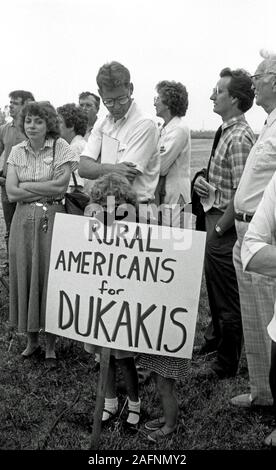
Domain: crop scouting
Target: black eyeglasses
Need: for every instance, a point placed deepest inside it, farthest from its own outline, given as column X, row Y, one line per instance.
column 259, row 75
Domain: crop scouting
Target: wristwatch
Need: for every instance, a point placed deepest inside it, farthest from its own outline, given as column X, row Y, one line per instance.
column 218, row 230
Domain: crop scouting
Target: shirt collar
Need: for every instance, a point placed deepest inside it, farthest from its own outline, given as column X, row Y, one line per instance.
column 48, row 143
column 271, row 117
column 129, row 112
column 77, row 138
column 232, row 121
column 170, row 124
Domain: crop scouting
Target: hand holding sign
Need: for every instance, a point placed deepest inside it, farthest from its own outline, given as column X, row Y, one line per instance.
column 124, row 286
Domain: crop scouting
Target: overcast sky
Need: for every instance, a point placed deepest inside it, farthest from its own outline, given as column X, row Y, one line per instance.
column 54, row 48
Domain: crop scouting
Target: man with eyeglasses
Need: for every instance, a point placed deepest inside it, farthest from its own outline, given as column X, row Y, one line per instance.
column 130, row 136
column 257, row 293
column 232, row 97
column 10, row 135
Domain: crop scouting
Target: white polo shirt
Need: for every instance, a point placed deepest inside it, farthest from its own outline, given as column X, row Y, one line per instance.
column 138, row 139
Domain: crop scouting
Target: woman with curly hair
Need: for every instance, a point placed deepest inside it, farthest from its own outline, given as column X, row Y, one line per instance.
column 39, row 170
column 73, row 124
column 173, row 188
column 107, row 195
column 171, row 104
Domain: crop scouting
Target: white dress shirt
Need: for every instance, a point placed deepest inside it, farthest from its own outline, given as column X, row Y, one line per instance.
column 77, row 145
column 262, row 232
column 259, row 168
column 138, row 138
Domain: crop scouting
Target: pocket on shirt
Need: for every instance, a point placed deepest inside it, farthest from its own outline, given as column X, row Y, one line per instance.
column 121, row 149
column 264, row 153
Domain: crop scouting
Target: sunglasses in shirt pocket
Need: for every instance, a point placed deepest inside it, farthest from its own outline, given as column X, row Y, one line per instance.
column 264, row 155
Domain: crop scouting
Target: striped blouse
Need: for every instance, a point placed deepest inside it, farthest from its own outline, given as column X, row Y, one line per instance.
column 41, row 167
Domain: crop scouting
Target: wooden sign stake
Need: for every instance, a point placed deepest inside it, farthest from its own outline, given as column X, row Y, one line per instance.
column 101, row 389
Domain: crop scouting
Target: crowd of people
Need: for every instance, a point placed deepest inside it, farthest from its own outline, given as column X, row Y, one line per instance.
column 46, row 152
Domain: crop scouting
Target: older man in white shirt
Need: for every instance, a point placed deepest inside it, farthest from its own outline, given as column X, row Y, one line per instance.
column 125, row 142
column 259, row 256
column 257, row 293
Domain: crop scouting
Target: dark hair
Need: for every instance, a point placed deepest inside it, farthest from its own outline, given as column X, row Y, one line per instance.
column 24, row 95
column 113, row 184
column 74, row 117
column 240, row 86
column 45, row 111
column 174, row 95
column 113, row 75
column 97, row 99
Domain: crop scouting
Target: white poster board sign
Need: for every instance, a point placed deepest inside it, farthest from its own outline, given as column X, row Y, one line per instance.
column 127, row 286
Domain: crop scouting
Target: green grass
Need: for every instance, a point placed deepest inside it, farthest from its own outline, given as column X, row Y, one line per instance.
column 201, row 150
column 42, row 409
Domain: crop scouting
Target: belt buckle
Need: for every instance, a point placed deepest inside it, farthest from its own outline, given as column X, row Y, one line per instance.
column 244, row 215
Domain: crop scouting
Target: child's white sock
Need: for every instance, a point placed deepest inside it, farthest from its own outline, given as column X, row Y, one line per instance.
column 111, row 405
column 134, row 411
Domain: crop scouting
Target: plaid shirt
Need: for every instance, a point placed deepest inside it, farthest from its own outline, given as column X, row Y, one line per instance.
column 228, row 162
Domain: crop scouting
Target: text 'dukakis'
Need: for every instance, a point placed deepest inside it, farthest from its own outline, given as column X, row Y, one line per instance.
column 124, row 286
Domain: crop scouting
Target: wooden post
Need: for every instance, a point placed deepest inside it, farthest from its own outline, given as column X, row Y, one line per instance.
column 101, row 389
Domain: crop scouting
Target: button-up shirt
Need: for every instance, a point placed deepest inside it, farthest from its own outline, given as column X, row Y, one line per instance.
column 262, row 232
column 10, row 135
column 77, row 144
column 175, row 155
column 227, row 164
column 259, row 168
column 138, row 137
column 41, row 167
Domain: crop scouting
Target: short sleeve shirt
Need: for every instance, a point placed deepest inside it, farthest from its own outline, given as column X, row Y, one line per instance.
column 228, row 162
column 41, row 167
column 138, row 139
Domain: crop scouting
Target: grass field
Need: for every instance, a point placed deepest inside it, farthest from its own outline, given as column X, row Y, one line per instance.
column 201, row 149
column 41, row 409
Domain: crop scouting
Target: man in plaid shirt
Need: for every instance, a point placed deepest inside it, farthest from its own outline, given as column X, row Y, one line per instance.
column 232, row 97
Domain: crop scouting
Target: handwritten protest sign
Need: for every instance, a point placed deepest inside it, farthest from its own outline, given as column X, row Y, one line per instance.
column 125, row 286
